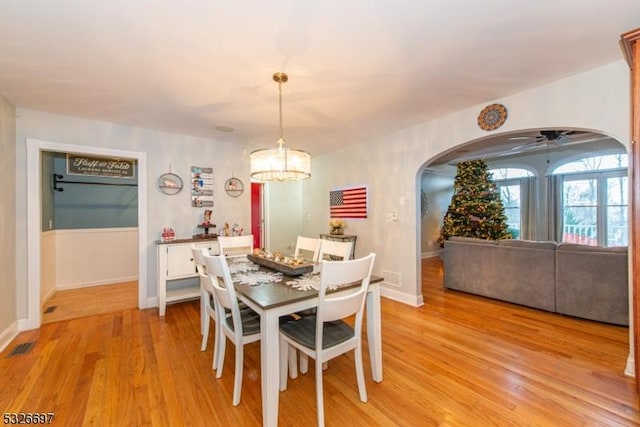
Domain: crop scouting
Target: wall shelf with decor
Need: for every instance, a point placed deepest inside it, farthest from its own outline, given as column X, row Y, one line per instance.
column 170, row 183
column 234, row 187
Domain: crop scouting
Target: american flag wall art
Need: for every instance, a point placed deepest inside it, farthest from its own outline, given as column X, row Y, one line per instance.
column 348, row 203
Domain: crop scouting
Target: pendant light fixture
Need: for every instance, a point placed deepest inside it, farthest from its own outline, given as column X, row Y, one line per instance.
column 280, row 164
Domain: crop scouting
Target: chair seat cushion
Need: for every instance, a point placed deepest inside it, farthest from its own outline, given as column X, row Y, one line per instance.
column 250, row 321
column 304, row 332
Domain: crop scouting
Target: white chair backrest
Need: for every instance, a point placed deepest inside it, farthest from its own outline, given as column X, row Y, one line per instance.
column 334, row 248
column 307, row 248
column 339, row 305
column 235, row 245
column 198, row 260
column 225, row 293
column 220, row 278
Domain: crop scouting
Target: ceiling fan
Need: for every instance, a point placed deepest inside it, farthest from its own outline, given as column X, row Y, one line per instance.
column 548, row 138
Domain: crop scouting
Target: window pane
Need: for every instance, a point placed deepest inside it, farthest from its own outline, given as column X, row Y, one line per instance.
column 509, row 173
column 510, row 195
column 579, row 220
column 610, row 161
column 617, row 226
column 617, row 201
column 617, row 191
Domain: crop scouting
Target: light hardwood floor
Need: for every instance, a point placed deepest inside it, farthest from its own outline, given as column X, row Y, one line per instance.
column 82, row 302
column 460, row 360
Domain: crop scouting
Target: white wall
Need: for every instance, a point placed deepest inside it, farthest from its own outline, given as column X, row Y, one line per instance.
column 164, row 151
column 283, row 215
column 391, row 165
column 8, row 284
column 439, row 189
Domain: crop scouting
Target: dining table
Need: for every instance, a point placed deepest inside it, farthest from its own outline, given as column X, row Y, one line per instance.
column 272, row 295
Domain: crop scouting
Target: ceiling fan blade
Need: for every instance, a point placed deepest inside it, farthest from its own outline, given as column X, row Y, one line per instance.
column 534, row 145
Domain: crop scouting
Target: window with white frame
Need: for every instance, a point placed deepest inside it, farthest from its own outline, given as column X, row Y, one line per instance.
column 514, row 193
column 594, row 199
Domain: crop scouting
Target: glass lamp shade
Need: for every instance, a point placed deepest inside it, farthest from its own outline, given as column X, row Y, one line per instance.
column 280, row 164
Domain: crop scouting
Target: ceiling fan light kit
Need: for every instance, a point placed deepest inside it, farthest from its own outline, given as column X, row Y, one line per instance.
column 280, row 164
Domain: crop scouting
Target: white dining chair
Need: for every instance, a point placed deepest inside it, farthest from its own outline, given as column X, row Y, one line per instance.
column 207, row 303
column 235, row 245
column 307, row 248
column 239, row 326
column 334, row 250
column 326, row 335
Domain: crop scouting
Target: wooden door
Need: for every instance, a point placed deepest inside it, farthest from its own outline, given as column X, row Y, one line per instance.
column 256, row 214
column 632, row 52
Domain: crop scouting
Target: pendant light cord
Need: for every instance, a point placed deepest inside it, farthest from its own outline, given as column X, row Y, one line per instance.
column 280, row 101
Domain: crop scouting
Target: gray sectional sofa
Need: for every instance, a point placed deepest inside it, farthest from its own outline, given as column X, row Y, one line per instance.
column 577, row 280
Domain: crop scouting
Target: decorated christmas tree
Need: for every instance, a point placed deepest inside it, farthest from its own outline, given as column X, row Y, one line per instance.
column 476, row 209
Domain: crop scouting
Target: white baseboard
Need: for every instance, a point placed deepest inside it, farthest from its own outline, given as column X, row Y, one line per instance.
column 152, row 302
column 26, row 325
column 48, row 296
column 110, row 281
column 630, row 370
column 8, row 335
column 412, row 300
column 431, row 254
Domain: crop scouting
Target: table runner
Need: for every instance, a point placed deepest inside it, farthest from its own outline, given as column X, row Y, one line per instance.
column 246, row 272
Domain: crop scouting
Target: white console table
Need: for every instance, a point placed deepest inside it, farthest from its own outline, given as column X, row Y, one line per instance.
column 175, row 262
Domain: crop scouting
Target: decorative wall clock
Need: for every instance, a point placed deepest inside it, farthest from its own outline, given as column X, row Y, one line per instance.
column 492, row 116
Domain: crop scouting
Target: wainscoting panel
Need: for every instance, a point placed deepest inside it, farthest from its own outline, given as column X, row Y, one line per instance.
column 97, row 256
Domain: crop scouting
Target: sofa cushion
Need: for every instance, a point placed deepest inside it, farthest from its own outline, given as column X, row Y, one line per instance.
column 532, row 244
column 586, row 248
column 518, row 273
column 592, row 282
column 472, row 240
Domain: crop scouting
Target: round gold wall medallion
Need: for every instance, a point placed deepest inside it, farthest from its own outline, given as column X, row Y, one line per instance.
column 492, row 116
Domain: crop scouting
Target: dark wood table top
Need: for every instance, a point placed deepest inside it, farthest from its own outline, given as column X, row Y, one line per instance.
column 274, row 294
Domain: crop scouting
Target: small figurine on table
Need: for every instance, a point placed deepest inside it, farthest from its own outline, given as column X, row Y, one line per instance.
column 207, row 217
column 168, row 234
column 237, row 230
column 225, row 230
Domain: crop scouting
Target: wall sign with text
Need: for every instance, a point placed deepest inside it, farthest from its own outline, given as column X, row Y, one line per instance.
column 100, row 166
column 201, row 187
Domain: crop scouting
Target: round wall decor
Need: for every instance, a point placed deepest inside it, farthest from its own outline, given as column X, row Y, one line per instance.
column 492, row 116
column 234, row 187
column 170, row 183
